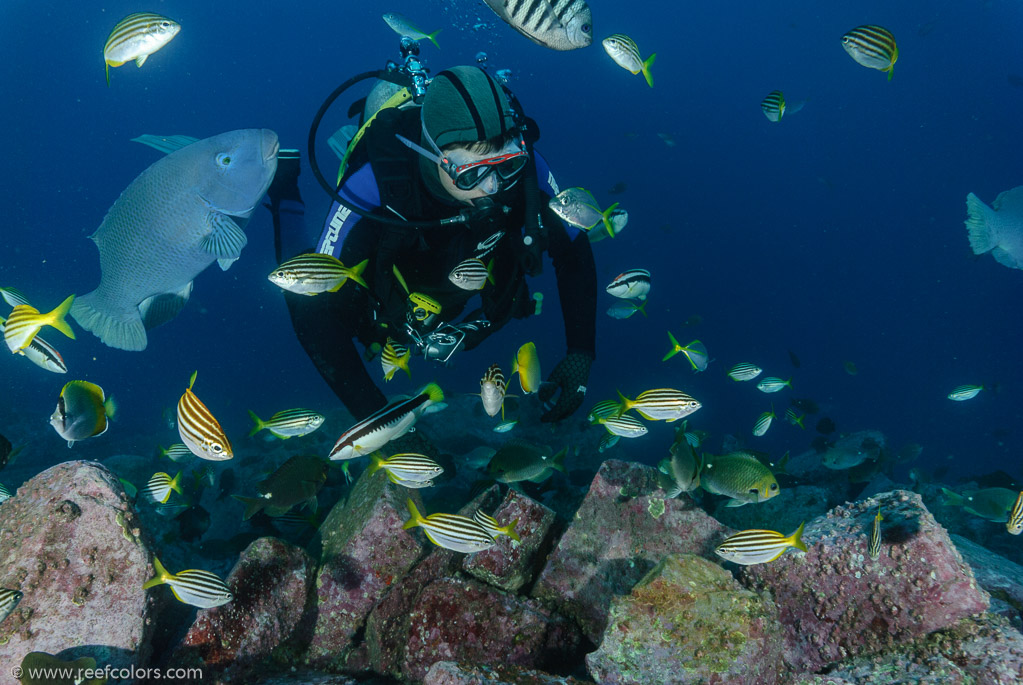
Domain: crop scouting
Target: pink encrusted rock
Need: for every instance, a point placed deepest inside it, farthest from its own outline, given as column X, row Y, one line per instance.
column 465, row 620
column 836, row 602
column 365, row 550
column 455, row 673
column 509, row 565
column 623, row 528
column 272, row 584
column 689, row 621
column 69, row 540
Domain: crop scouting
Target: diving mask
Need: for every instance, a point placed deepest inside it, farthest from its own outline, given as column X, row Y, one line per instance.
column 508, row 165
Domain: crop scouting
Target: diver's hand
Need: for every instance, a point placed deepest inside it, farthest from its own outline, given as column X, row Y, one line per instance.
column 570, row 377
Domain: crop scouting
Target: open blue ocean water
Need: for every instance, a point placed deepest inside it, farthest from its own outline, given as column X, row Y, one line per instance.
column 836, row 234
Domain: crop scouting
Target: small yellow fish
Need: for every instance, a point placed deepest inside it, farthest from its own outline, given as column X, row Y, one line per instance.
column 624, row 51
column 25, row 321
column 751, row 547
column 527, row 365
column 395, row 356
column 136, row 37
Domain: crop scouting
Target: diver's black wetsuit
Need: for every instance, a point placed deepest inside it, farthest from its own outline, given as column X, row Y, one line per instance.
column 327, row 323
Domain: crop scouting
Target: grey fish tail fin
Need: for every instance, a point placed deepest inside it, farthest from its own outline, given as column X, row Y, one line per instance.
column 125, row 332
column 979, row 225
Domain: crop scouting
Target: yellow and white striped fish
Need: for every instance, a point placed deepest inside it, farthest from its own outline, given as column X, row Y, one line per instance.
column 495, row 529
column 874, row 544
column 1015, row 523
column 624, row 51
column 660, row 404
column 763, row 423
column 136, row 37
column 408, row 466
column 195, row 587
column 199, row 430
column 492, row 391
column 872, row 47
column 472, row 274
column 288, row 423
column 773, row 106
column 41, row 353
column 313, row 273
column 623, row 426
column 158, row 489
column 744, row 371
column 451, row 531
column 602, row 409
column 8, row 602
column 23, row 324
column 751, row 547
column 395, row 356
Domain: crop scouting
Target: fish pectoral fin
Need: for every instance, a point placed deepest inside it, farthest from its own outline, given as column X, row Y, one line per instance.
column 159, row 309
column 140, row 60
column 736, row 503
column 225, row 239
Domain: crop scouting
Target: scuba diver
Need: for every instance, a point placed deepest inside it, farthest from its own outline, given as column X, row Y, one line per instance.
column 427, row 187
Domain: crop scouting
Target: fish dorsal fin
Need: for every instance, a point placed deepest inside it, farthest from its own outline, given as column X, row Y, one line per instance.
column 191, row 381
column 165, row 144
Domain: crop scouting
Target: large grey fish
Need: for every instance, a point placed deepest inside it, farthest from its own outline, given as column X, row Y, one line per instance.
column 169, row 224
column 998, row 229
column 555, row 24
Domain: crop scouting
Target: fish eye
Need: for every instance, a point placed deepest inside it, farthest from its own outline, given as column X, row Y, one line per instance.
column 165, row 24
column 224, row 159
column 586, row 28
column 216, row 448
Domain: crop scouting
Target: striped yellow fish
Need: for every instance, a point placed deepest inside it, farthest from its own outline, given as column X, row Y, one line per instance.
column 872, row 47
column 492, row 391
column 136, row 37
column 41, row 353
column 623, row 426
column 874, row 545
column 395, row 356
column 624, row 51
column 763, row 423
column 158, row 489
column 25, row 321
column 773, row 106
column 1015, row 523
column 408, row 466
column 199, row 430
column 751, row 547
column 313, row 273
column 494, row 528
column 288, row 423
column 451, row 531
column 195, row 587
column 662, row 403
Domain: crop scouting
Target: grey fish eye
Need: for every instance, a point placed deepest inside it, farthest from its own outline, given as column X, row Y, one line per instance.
column 216, row 448
column 586, row 28
column 774, row 486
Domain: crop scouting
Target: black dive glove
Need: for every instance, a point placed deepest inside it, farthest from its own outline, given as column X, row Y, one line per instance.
column 285, row 183
column 570, row 376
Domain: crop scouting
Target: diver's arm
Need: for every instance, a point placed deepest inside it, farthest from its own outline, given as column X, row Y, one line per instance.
column 576, row 272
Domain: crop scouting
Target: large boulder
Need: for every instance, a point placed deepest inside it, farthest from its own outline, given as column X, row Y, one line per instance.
column 69, row 540
column 364, row 551
column 689, row 621
column 625, row 526
column 836, row 602
column 996, row 574
column 272, row 584
column 510, row 565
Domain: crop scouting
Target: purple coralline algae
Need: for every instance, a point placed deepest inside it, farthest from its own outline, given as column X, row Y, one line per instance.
column 836, row 602
column 69, row 540
column 689, row 621
column 625, row 526
column 271, row 584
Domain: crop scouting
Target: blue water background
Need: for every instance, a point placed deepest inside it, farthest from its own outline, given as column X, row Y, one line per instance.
column 837, row 233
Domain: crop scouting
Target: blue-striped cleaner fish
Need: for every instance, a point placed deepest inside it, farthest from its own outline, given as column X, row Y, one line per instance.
column 472, row 274
column 198, row 428
column 965, row 392
column 174, row 220
column 312, row 273
column 386, row 424
column 773, row 384
column 82, row 411
column 495, row 529
column 874, row 542
column 695, row 352
column 393, row 357
column 289, row 423
column 158, row 489
column 195, row 587
column 578, row 207
column 1015, row 523
column 8, row 602
column 24, row 322
column 744, row 371
column 554, row 24
column 751, row 547
column 295, row 482
column 41, row 353
column 450, row 531
column 492, row 391
column 403, row 26
column 136, row 37
column 872, row 47
column 997, row 229
column 633, row 284
column 624, row 51
column 405, row 467
column 665, row 404
column 527, row 364
column 763, row 423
